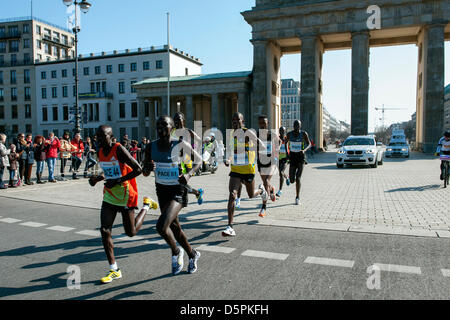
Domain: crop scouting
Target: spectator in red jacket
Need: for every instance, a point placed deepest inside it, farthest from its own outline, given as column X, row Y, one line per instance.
column 77, row 154
column 52, row 146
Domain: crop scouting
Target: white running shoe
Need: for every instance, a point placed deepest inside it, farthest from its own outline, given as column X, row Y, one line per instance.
column 279, row 193
column 177, row 262
column 229, row 232
column 297, row 201
column 238, row 203
column 264, row 192
column 193, row 262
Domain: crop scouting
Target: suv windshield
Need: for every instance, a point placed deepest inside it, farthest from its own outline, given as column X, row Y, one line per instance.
column 397, row 144
column 359, row 142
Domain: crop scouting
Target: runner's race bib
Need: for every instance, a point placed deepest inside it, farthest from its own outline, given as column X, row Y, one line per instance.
column 167, row 173
column 111, row 169
column 296, row 146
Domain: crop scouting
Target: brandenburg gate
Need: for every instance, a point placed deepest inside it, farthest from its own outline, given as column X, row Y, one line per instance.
column 312, row 27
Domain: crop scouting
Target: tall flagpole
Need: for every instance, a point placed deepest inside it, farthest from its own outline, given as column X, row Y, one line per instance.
column 168, row 64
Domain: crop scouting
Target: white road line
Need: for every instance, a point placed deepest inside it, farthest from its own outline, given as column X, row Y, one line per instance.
column 263, row 254
column 330, row 262
column 9, row 220
column 398, row 268
column 32, row 224
column 205, row 247
column 446, row 272
column 160, row 242
column 93, row 233
column 127, row 238
column 60, row 228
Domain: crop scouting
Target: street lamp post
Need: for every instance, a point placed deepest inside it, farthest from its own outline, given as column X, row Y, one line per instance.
column 84, row 6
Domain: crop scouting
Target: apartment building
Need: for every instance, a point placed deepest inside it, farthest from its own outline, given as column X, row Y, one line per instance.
column 106, row 94
column 290, row 102
column 23, row 42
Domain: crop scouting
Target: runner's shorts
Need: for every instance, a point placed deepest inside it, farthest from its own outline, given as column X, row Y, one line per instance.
column 176, row 193
column 244, row 177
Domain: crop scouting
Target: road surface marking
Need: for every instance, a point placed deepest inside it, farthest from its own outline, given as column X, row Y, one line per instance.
column 9, row 220
column 127, row 238
column 398, row 268
column 263, row 254
column 160, row 242
column 94, row 233
column 206, row 247
column 32, row 224
column 330, row 262
column 60, row 228
column 446, row 272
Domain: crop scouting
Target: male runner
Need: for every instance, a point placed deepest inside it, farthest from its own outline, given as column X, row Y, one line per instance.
column 241, row 149
column 267, row 158
column 283, row 160
column 444, row 148
column 163, row 156
column 297, row 140
column 119, row 194
column 186, row 163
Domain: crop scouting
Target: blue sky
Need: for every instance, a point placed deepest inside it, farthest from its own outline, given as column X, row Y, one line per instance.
column 216, row 32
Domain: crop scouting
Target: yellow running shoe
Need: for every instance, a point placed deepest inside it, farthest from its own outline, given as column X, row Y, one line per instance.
column 151, row 203
column 111, row 276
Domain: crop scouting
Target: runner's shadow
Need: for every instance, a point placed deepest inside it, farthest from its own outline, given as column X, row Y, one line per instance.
column 130, row 294
column 421, row 188
column 54, row 281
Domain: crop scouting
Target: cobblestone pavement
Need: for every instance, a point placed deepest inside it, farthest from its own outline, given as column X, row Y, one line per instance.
column 403, row 196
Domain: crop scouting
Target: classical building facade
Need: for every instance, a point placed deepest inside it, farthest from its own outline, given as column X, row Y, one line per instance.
column 23, row 42
column 106, row 94
column 313, row 27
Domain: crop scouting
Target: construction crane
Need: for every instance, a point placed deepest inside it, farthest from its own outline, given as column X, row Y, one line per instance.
column 382, row 112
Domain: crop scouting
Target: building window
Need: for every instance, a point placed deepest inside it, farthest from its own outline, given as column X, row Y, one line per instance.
column 56, row 51
column 26, row 43
column 28, row 111
column 2, row 113
column 159, row 64
column 13, row 46
column 64, row 73
column 121, row 111
column 74, row 90
column 1, row 77
column 54, row 92
column 121, row 67
column 13, row 77
column 1, row 94
column 28, row 128
column 15, row 129
column 134, row 133
column 133, row 66
column 26, row 28
column 13, row 59
column 2, row 47
column 74, row 72
column 65, row 113
column 43, row 75
column 109, row 68
column 54, row 74
column 64, row 91
column 92, row 87
column 146, row 65
column 44, row 114
column 38, row 29
column 26, row 76
column 86, row 71
column 133, row 89
column 27, row 93
column 134, row 109
column 44, row 93
column 14, row 112
column 39, row 44
column 55, row 113
column 13, row 94
column 47, row 48
column 121, row 87
column 97, row 70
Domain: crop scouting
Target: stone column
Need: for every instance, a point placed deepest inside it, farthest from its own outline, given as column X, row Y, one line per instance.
column 163, row 106
column 431, row 85
column 189, row 112
column 215, row 110
column 260, row 89
column 360, row 83
column 243, row 103
column 311, row 88
column 142, row 131
column 152, row 118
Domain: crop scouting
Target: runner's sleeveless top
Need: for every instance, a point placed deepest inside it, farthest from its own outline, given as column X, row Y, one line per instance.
column 296, row 143
column 283, row 149
column 124, row 194
column 243, row 163
column 167, row 169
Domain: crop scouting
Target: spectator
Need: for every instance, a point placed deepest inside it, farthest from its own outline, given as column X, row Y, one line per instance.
column 4, row 160
column 21, row 149
column 125, row 142
column 53, row 144
column 141, row 145
column 13, row 158
column 89, row 152
column 40, row 157
column 134, row 150
column 77, row 154
column 65, row 152
column 30, row 159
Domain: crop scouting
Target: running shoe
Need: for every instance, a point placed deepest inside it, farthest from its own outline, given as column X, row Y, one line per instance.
column 264, row 192
column 193, row 262
column 272, row 194
column 177, row 262
column 238, row 202
column 288, row 182
column 262, row 213
column 279, row 193
column 200, row 196
column 297, row 201
column 229, row 232
column 150, row 203
column 113, row 274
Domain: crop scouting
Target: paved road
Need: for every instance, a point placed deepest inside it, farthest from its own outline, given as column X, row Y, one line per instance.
column 40, row 241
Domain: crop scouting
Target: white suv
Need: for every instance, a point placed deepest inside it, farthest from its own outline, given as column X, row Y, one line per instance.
column 360, row 150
